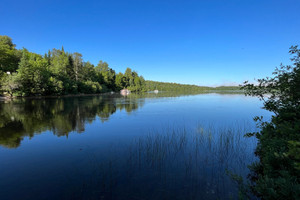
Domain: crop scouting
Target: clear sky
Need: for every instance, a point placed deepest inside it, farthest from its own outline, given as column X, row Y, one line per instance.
column 203, row 42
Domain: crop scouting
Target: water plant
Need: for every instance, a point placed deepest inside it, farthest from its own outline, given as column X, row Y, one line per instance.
column 175, row 163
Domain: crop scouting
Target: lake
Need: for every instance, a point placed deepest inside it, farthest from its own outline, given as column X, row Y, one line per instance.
column 150, row 146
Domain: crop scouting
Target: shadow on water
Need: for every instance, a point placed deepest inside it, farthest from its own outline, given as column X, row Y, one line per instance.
column 172, row 164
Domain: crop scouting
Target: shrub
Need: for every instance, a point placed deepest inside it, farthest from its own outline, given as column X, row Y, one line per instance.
column 277, row 174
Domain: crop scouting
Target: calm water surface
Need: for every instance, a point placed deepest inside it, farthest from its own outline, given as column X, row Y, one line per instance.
column 153, row 146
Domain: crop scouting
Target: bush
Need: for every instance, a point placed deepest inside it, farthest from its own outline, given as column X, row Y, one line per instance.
column 89, row 87
column 277, row 174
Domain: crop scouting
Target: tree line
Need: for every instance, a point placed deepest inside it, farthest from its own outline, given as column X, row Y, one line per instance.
column 164, row 86
column 24, row 73
column 58, row 72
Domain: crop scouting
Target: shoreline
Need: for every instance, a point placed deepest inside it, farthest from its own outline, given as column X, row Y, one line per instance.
column 7, row 98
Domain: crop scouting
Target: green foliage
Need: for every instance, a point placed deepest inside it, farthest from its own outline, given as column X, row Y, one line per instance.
column 9, row 83
column 277, row 174
column 77, row 65
column 120, row 81
column 105, row 74
column 161, row 86
column 90, row 87
column 62, row 71
column 59, row 73
column 9, row 56
column 132, row 81
column 185, row 88
column 88, row 72
column 33, row 74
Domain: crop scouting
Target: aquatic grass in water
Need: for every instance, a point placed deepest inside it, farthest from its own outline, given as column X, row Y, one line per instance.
column 175, row 163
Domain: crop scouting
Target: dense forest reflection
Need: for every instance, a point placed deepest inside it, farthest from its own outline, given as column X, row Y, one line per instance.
column 27, row 117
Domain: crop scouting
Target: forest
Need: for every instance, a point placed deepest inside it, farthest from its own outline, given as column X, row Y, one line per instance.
column 58, row 72
column 164, row 86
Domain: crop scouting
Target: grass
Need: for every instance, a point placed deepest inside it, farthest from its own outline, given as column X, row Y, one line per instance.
column 175, row 163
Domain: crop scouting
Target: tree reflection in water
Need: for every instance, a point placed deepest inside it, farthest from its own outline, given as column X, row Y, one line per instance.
column 27, row 117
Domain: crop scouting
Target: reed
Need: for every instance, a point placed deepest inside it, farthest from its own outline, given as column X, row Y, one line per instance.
column 177, row 163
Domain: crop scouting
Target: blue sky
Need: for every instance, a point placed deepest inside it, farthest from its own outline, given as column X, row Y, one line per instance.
column 208, row 42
